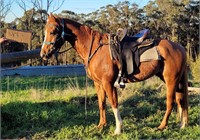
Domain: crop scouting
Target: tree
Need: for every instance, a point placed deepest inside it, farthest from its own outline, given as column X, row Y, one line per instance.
column 4, row 9
column 177, row 20
column 38, row 13
column 121, row 15
column 43, row 7
column 5, row 6
column 191, row 28
column 154, row 20
column 70, row 56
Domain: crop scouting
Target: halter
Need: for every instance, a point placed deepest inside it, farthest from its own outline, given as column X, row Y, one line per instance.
column 63, row 34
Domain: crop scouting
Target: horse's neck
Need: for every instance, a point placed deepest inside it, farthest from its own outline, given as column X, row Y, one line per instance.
column 81, row 38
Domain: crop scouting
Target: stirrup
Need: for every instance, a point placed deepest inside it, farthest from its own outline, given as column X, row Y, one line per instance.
column 122, row 84
column 116, row 84
column 119, row 83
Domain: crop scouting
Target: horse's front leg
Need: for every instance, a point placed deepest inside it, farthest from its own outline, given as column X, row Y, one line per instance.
column 102, row 104
column 111, row 93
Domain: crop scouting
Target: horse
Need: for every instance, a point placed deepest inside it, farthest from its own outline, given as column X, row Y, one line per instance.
column 93, row 48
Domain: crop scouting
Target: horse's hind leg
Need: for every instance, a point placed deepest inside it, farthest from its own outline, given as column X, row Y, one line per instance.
column 171, row 82
column 182, row 100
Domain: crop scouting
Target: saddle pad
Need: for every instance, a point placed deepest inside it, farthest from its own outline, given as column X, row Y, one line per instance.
column 150, row 54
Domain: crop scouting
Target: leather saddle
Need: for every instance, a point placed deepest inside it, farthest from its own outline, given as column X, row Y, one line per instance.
column 132, row 47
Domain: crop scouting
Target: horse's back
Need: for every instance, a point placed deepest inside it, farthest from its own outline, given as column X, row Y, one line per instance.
column 168, row 48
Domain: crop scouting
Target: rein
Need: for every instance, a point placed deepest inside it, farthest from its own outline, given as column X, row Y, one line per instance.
column 90, row 56
column 90, row 51
column 65, row 50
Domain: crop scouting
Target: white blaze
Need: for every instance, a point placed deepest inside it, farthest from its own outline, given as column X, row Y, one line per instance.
column 44, row 39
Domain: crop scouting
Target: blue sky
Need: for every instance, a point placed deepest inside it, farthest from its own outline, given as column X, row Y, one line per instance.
column 77, row 6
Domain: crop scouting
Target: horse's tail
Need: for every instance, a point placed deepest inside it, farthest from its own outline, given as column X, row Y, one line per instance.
column 185, row 95
column 182, row 98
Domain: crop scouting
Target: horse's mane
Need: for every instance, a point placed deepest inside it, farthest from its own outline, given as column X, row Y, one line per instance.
column 75, row 23
column 72, row 22
column 79, row 25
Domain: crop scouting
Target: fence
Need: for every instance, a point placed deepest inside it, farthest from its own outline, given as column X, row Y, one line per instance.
column 61, row 70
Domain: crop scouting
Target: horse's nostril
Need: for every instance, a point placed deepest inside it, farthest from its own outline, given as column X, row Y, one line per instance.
column 43, row 55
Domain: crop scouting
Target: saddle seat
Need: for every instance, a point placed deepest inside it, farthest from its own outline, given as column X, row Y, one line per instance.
column 143, row 38
column 146, row 42
column 142, row 34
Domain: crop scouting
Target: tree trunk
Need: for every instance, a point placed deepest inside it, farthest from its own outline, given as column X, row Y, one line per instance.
column 188, row 46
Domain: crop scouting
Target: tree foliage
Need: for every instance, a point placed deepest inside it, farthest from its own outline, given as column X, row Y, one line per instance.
column 4, row 9
column 177, row 20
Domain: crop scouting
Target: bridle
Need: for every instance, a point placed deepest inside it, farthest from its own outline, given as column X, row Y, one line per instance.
column 61, row 38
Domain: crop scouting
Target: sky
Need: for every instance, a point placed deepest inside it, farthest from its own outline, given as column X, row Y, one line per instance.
column 77, row 6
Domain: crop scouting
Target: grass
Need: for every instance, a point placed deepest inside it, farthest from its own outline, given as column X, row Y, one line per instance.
column 54, row 108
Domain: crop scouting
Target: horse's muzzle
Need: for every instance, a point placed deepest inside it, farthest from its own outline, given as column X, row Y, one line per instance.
column 47, row 55
column 43, row 55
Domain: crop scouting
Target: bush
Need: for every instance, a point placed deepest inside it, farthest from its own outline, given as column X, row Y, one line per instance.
column 195, row 70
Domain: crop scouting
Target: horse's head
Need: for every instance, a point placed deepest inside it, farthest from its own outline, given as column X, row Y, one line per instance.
column 53, row 37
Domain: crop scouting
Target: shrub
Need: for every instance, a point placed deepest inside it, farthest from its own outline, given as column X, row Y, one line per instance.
column 195, row 70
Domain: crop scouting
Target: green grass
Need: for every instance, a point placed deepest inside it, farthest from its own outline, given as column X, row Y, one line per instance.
column 54, row 108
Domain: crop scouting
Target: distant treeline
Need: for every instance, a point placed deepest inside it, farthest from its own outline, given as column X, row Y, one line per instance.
column 174, row 20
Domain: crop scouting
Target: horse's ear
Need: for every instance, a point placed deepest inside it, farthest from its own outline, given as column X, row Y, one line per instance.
column 51, row 15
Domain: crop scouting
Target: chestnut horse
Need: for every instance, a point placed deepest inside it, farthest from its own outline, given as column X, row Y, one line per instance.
column 93, row 48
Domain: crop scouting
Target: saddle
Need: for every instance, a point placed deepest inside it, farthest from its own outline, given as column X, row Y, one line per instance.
column 132, row 47
column 129, row 51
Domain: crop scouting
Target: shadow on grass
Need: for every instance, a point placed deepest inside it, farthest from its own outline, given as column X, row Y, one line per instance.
column 149, row 102
column 146, row 102
column 24, row 119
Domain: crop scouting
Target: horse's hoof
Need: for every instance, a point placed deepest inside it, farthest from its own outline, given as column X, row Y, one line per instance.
column 100, row 126
column 161, row 128
column 116, row 133
column 182, row 125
